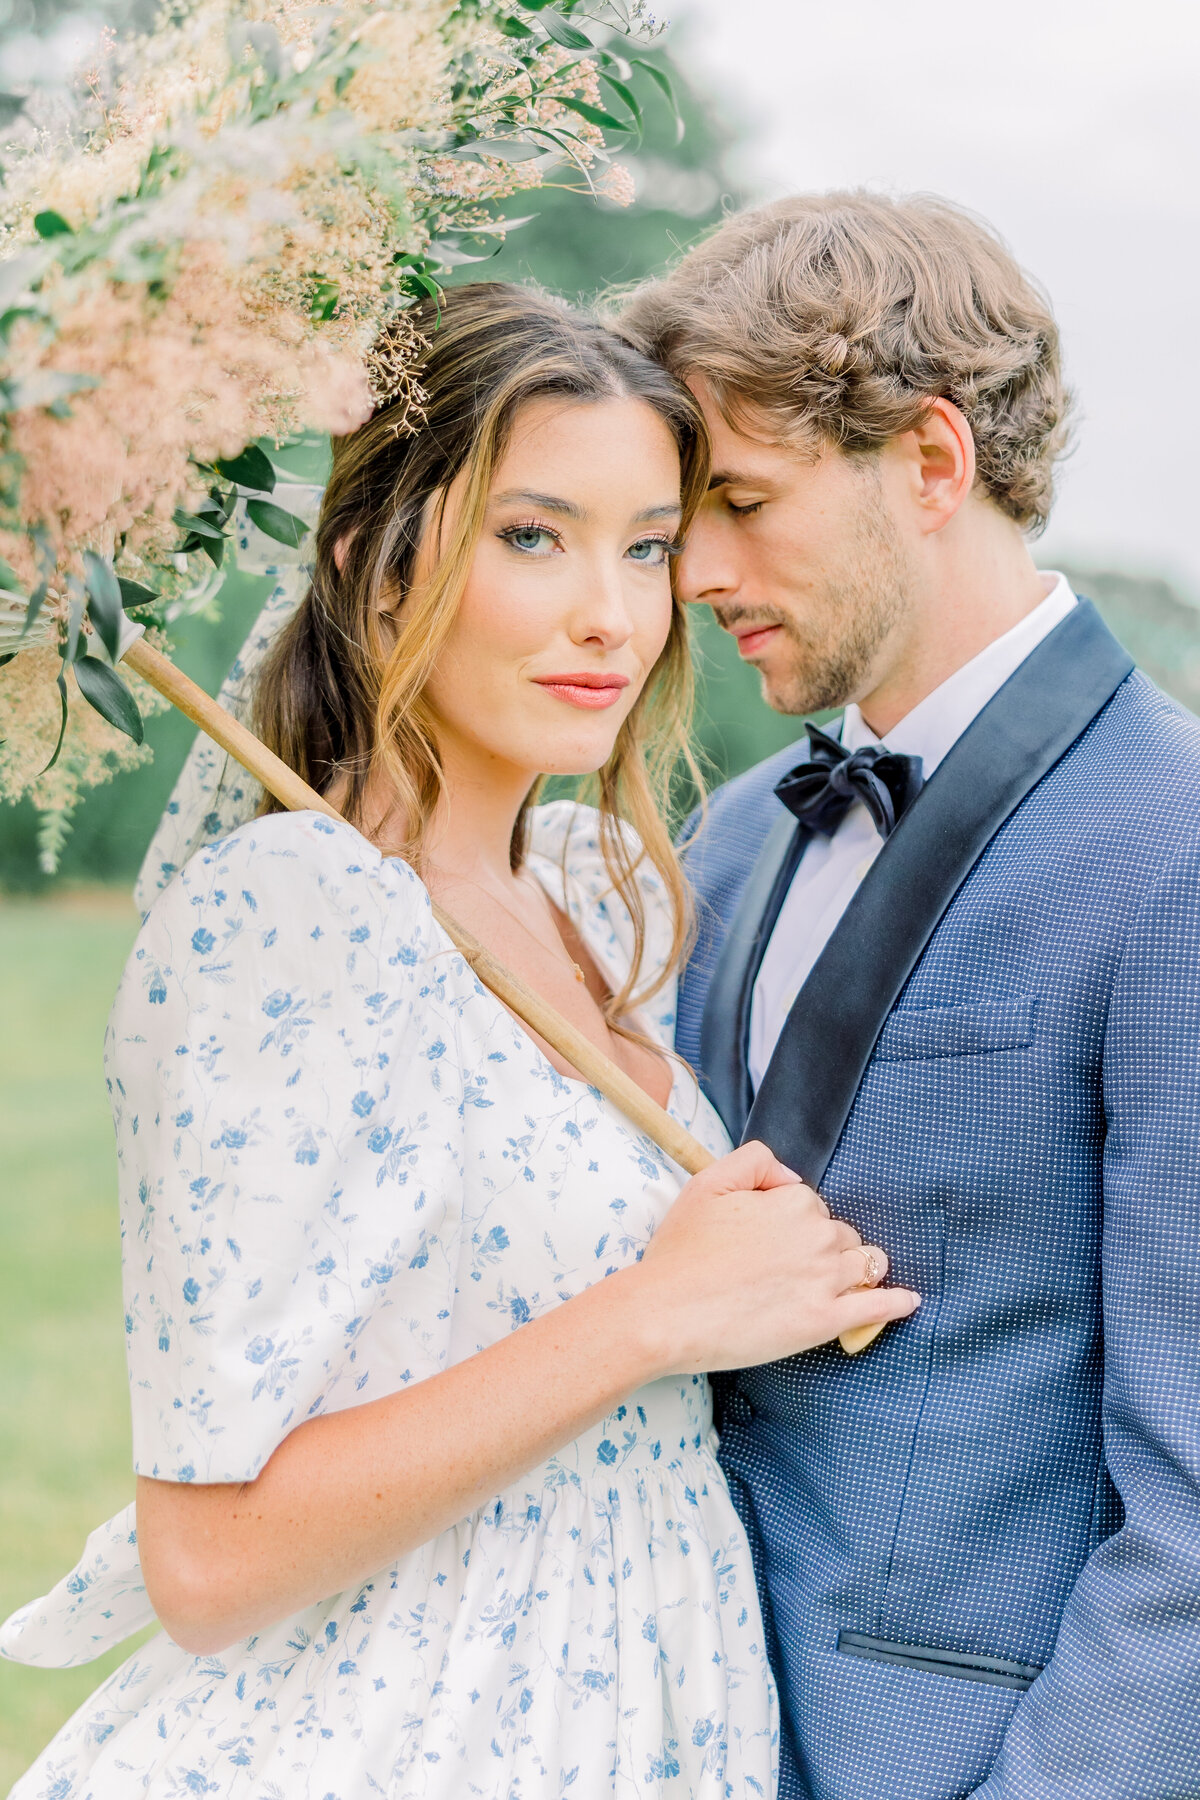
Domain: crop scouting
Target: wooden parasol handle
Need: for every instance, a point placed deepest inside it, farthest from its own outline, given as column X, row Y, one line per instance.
column 232, row 736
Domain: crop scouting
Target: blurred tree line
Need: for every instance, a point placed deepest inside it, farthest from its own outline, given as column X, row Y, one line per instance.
column 578, row 247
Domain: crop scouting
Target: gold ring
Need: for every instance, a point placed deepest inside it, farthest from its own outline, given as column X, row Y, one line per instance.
column 874, row 1273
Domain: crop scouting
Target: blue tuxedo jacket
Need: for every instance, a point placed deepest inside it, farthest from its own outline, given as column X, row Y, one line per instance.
column 979, row 1542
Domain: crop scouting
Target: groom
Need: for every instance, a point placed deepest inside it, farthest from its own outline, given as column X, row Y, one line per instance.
column 949, row 970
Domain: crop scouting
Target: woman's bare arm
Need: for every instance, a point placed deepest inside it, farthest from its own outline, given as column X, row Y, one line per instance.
column 747, row 1267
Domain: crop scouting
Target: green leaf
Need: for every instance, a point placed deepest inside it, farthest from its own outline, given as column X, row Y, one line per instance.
column 133, row 594
column 595, row 115
column 50, row 224
column 8, row 578
column 252, row 469
column 11, row 108
column 625, row 92
column 516, row 28
column 76, row 608
column 284, row 527
column 7, row 659
column 512, row 150
column 103, row 688
column 451, row 257
column 195, row 526
column 326, row 296
column 62, row 725
column 105, row 610
column 663, row 82
column 422, row 284
column 36, row 601
column 569, row 36
column 536, row 5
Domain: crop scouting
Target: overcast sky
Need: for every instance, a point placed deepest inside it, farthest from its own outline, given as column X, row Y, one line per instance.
column 1074, row 126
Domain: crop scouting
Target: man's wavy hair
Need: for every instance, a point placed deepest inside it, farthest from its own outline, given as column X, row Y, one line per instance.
column 837, row 318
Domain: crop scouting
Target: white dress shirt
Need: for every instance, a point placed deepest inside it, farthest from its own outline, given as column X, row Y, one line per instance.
column 832, row 867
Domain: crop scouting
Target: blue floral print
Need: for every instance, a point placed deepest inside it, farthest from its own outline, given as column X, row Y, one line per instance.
column 345, row 1167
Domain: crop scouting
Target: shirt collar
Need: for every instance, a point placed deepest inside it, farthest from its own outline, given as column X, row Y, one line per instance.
column 936, row 723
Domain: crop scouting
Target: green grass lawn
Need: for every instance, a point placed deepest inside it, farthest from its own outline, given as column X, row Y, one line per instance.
column 64, row 1414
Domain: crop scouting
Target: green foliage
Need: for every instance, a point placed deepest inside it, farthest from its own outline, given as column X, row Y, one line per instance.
column 64, row 1406
column 583, row 248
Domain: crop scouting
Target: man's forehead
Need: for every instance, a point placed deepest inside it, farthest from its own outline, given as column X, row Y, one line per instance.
column 746, row 447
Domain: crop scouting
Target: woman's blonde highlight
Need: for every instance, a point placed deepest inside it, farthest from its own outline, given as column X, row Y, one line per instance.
column 341, row 703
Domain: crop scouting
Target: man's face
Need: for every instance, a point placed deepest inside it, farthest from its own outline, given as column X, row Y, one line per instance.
column 801, row 561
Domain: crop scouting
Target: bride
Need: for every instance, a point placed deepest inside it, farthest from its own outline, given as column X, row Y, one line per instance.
column 427, row 1503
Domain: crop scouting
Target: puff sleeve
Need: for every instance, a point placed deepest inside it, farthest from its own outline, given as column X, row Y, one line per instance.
column 289, row 1145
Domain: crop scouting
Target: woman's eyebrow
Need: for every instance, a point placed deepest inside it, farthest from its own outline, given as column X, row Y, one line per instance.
column 566, row 509
column 670, row 509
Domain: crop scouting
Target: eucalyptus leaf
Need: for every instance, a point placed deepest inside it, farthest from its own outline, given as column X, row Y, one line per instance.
column 62, row 724
column 511, row 150
column 36, row 602
column 196, row 526
column 625, row 92
column 103, row 688
column 663, row 82
column 50, row 224
column 284, row 527
column 595, row 115
column 76, row 607
column 569, row 36
column 105, row 610
column 451, row 257
column 516, row 28
column 252, row 469
column 134, row 595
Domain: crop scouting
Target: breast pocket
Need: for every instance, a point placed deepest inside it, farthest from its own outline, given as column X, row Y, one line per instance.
column 915, row 1033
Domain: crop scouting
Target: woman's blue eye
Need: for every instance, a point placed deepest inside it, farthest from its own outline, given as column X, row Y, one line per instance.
column 650, row 550
column 529, row 538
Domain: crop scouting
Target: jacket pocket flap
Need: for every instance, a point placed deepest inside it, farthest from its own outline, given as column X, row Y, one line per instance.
column 971, row 1030
column 997, row 1670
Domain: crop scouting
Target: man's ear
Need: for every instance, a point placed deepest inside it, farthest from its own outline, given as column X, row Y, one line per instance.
column 941, row 454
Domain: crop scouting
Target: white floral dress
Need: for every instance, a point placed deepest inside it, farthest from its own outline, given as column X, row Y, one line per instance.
column 344, row 1167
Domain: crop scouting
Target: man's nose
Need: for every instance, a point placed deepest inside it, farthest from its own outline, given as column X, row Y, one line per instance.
column 707, row 571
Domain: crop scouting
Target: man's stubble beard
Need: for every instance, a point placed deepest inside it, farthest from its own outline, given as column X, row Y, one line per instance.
column 835, row 656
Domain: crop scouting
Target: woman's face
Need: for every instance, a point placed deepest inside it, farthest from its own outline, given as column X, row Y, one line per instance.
column 568, row 603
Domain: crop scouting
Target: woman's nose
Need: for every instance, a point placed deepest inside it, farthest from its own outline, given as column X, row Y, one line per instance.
column 602, row 614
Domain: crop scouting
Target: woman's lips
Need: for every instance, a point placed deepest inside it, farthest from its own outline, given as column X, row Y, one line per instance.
column 590, row 691
column 750, row 641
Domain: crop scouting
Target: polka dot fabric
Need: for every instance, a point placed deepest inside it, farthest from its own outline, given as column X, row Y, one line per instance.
column 1012, row 1478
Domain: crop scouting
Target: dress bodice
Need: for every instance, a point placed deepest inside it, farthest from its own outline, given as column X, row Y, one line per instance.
column 344, row 1167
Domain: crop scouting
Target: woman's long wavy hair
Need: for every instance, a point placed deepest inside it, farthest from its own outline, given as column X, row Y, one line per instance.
column 339, row 698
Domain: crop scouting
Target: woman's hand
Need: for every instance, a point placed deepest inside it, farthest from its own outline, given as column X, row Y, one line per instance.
column 748, row 1267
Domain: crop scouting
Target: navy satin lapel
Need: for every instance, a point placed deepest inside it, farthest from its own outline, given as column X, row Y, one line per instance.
column 826, row 1043
column 726, row 1005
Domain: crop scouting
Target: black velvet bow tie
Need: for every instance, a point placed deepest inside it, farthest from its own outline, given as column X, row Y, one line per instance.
column 820, row 793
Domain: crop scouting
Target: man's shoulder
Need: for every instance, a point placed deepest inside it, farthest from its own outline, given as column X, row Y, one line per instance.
column 1148, row 736
column 753, row 791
